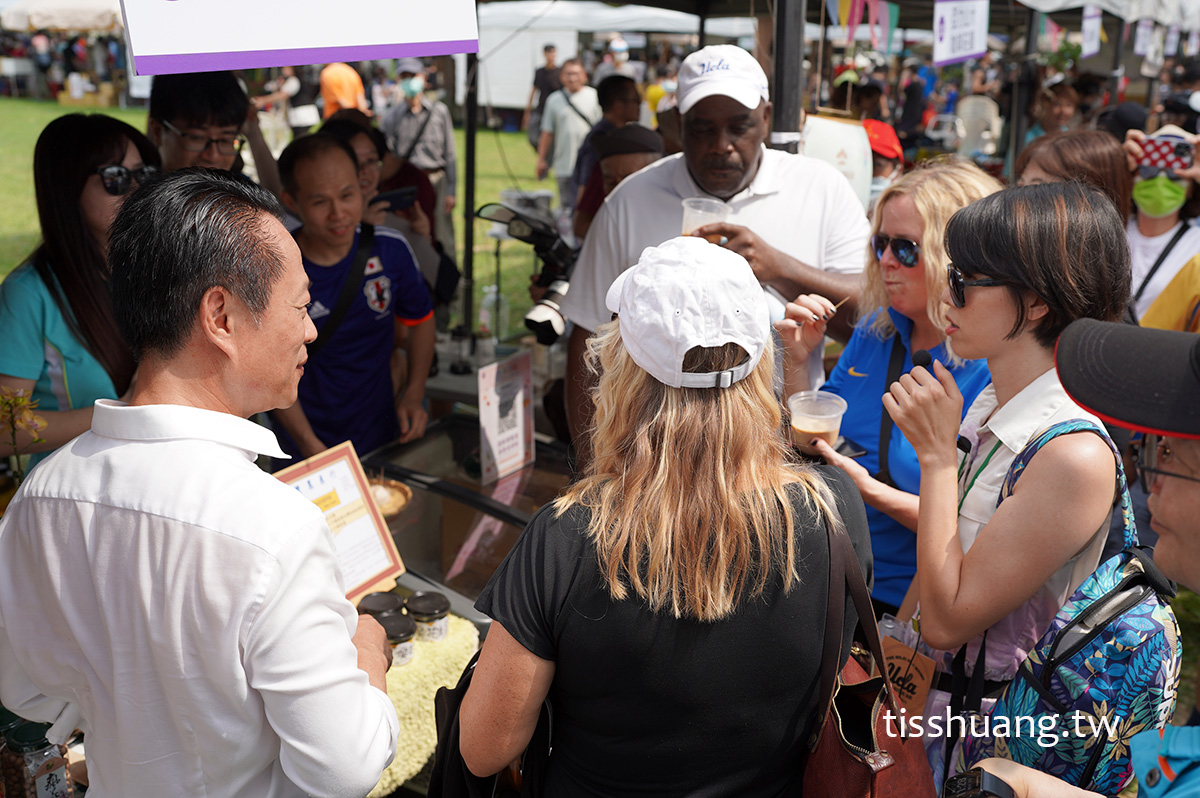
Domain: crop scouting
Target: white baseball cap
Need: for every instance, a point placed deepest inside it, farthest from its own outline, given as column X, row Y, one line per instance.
column 685, row 293
column 723, row 69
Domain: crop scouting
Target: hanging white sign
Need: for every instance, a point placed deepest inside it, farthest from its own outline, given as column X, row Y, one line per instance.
column 1141, row 37
column 1172, row 45
column 168, row 36
column 1092, row 17
column 959, row 30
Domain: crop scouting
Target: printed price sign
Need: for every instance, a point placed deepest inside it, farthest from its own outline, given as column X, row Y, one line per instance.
column 1092, row 17
column 505, row 416
column 959, row 30
column 167, row 36
column 1192, row 48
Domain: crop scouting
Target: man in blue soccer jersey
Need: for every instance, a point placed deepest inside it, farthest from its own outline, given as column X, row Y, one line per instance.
column 347, row 390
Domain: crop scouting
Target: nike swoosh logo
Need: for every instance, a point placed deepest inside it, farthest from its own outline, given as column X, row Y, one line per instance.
column 854, row 373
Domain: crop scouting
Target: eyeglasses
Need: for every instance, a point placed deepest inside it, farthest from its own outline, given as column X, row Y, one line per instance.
column 196, row 142
column 958, row 285
column 1153, row 453
column 907, row 252
column 118, row 179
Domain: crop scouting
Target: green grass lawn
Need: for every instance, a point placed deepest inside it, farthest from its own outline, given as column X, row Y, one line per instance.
column 498, row 154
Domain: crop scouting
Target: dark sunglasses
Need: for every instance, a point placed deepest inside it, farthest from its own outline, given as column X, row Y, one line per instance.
column 1149, row 172
column 118, row 179
column 908, row 253
column 1153, row 453
column 958, row 285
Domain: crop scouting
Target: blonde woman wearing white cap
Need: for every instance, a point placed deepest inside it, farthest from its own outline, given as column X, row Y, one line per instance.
column 672, row 603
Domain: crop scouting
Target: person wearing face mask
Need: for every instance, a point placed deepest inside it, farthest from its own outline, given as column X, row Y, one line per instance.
column 419, row 130
column 1162, row 239
column 887, row 158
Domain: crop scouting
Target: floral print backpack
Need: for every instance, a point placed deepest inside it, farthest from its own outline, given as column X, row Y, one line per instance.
column 1106, row 669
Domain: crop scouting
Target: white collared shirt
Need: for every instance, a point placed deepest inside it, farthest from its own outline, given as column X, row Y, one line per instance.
column 997, row 435
column 801, row 206
column 189, row 607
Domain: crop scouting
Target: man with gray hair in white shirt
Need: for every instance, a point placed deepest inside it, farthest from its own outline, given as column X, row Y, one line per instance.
column 159, row 591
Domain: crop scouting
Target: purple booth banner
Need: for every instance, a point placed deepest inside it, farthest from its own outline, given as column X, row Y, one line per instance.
column 171, row 36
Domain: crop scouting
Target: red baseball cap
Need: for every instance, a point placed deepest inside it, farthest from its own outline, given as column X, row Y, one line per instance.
column 883, row 139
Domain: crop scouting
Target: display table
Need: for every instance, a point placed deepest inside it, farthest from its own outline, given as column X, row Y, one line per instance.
column 412, row 688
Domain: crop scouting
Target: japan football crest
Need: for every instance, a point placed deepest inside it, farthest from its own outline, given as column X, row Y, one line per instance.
column 378, row 291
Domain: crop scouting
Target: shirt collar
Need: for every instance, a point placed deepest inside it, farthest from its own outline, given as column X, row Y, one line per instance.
column 113, row 419
column 767, row 180
column 1029, row 411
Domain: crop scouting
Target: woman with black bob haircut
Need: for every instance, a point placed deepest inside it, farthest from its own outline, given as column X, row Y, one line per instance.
column 61, row 342
column 1026, row 262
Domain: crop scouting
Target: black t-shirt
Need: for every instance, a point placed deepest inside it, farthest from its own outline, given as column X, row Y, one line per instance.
column 546, row 81
column 645, row 704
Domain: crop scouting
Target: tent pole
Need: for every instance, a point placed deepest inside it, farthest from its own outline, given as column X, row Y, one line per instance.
column 1024, row 85
column 470, row 130
column 789, row 74
column 702, row 10
column 1118, row 68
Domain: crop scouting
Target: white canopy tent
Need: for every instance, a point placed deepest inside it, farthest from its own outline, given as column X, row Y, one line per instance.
column 101, row 16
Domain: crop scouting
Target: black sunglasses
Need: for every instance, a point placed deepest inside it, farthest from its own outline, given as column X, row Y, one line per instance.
column 1148, row 172
column 118, row 179
column 1153, row 452
column 958, row 285
column 908, row 253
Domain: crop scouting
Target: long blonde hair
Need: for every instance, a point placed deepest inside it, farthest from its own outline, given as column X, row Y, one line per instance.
column 938, row 189
column 688, row 487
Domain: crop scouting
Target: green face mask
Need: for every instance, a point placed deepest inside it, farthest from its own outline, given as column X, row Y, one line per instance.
column 1159, row 196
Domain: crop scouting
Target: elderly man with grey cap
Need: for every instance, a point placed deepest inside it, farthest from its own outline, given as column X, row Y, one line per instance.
column 420, row 130
column 672, row 603
column 795, row 219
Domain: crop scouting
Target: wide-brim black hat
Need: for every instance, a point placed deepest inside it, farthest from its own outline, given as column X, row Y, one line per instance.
column 1135, row 377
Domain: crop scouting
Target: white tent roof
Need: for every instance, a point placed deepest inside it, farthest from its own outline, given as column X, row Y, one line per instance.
column 588, row 16
column 103, row 16
column 1184, row 13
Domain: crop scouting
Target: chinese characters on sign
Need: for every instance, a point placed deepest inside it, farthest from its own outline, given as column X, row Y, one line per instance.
column 959, row 30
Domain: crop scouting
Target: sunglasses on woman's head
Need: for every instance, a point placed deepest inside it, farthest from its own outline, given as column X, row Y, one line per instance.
column 1153, row 454
column 907, row 252
column 958, row 285
column 118, row 179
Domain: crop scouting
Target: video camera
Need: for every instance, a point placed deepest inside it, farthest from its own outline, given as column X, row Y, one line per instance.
column 545, row 318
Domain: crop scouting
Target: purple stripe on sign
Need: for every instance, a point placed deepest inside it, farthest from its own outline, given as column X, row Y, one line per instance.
column 958, row 59
column 252, row 59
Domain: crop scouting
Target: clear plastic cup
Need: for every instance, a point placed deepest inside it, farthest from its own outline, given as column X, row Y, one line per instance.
column 815, row 414
column 699, row 211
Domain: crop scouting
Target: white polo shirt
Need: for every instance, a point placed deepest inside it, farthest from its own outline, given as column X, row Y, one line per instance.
column 799, row 205
column 187, row 610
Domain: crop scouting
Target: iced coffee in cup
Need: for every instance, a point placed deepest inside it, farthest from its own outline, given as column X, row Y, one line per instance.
column 815, row 414
column 699, row 211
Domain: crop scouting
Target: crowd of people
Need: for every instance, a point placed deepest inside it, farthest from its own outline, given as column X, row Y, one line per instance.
column 161, row 592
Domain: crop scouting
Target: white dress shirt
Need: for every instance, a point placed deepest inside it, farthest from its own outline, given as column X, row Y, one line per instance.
column 799, row 205
column 187, row 611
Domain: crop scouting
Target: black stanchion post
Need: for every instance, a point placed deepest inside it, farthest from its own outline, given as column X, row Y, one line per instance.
column 789, row 74
column 1023, row 88
column 470, row 129
column 1118, row 68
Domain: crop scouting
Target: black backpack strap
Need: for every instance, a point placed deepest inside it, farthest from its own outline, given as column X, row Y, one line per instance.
column 354, row 278
column 1162, row 256
column 420, row 132
column 895, row 366
column 567, row 97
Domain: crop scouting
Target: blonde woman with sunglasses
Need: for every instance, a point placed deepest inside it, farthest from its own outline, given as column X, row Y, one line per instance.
column 61, row 343
column 901, row 313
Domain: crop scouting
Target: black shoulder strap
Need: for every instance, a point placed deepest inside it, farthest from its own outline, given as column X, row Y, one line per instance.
column 354, row 278
column 895, row 365
column 420, row 132
column 1162, row 256
column 567, row 97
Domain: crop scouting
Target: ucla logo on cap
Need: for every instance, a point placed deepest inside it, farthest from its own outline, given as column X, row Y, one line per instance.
column 709, row 66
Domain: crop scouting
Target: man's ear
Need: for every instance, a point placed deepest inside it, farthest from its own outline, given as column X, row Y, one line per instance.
column 154, row 131
column 289, row 202
column 217, row 321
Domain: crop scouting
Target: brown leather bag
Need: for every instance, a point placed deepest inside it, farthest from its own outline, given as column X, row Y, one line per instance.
column 851, row 752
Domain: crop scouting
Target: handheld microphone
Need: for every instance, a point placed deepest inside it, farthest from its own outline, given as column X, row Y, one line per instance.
column 922, row 358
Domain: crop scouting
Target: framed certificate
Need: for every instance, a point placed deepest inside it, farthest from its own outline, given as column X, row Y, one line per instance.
column 334, row 481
